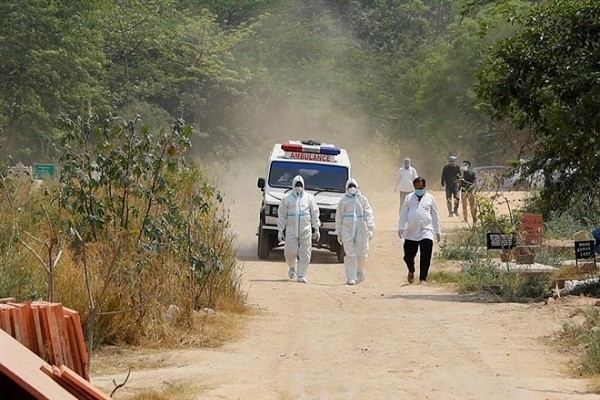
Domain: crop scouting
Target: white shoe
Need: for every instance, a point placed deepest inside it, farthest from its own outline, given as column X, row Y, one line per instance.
column 351, row 282
column 292, row 273
column 302, row 279
column 360, row 277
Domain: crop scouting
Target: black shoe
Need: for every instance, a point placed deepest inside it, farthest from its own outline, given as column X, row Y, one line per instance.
column 411, row 277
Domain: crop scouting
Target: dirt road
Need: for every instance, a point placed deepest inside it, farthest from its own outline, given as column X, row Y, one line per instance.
column 382, row 339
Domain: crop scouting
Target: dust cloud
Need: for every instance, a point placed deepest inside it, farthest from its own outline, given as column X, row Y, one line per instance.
column 373, row 165
column 267, row 118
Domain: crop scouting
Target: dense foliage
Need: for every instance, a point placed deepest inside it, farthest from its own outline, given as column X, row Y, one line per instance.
column 245, row 73
column 546, row 80
column 136, row 228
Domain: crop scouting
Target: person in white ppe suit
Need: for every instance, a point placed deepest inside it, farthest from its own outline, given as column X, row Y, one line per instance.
column 355, row 223
column 298, row 224
column 418, row 225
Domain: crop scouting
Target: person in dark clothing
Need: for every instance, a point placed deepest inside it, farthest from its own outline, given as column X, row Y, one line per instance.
column 450, row 179
column 467, row 190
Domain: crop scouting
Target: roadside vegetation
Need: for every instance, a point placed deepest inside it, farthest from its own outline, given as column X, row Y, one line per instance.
column 130, row 235
column 482, row 272
column 134, row 238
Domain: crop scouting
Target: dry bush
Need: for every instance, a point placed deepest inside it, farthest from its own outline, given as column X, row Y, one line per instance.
column 132, row 287
column 168, row 392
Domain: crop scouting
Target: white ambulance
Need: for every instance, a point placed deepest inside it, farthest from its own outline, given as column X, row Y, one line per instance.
column 325, row 169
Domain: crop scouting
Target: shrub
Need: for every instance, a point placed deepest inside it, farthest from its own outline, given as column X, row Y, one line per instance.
column 583, row 213
column 130, row 229
column 546, row 257
column 468, row 246
column 509, row 286
column 481, row 273
column 587, row 336
column 523, row 288
column 443, row 277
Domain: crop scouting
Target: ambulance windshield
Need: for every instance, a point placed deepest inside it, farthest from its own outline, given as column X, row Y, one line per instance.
column 320, row 177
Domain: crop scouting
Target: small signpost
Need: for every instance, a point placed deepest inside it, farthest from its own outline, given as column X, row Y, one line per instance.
column 501, row 241
column 584, row 250
column 531, row 226
column 43, row 171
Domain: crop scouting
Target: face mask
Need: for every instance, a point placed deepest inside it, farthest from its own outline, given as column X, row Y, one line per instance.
column 465, row 167
column 419, row 192
column 298, row 189
column 352, row 191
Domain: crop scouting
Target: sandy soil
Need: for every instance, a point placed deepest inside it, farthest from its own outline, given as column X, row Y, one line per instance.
column 382, row 339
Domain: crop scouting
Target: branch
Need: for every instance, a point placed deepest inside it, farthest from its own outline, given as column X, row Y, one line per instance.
column 36, row 239
column 55, row 263
column 35, row 254
column 120, row 385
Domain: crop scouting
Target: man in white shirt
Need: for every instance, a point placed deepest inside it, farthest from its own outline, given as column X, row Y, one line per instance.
column 418, row 225
column 404, row 180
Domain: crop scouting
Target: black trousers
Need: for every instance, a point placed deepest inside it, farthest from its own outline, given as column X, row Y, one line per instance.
column 410, row 251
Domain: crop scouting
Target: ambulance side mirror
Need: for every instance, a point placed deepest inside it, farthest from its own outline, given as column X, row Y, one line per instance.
column 261, row 183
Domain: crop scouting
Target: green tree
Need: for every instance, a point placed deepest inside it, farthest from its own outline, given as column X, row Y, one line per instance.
column 43, row 71
column 142, row 40
column 546, row 79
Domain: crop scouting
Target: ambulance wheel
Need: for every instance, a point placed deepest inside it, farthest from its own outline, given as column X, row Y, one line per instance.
column 263, row 244
column 340, row 253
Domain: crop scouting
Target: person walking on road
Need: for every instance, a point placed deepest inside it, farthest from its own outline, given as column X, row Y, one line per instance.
column 467, row 191
column 404, row 180
column 298, row 224
column 418, row 225
column 354, row 224
column 450, row 177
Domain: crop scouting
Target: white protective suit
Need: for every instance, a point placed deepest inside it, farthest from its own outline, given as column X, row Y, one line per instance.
column 298, row 214
column 355, row 223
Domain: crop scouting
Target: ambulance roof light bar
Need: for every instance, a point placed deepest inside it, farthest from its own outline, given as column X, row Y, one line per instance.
column 303, row 148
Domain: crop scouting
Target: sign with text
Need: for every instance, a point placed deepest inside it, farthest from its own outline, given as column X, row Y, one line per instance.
column 498, row 241
column 531, row 225
column 43, row 171
column 312, row 157
column 584, row 250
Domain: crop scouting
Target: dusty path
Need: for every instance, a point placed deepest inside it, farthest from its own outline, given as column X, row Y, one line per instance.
column 381, row 339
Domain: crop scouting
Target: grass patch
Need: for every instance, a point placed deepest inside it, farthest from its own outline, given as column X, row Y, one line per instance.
column 209, row 330
column 463, row 246
column 168, row 392
column 547, row 257
column 119, row 360
column 480, row 274
column 484, row 275
column 585, row 338
column 443, row 277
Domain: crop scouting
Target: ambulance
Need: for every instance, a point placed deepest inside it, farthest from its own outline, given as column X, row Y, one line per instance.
column 325, row 169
